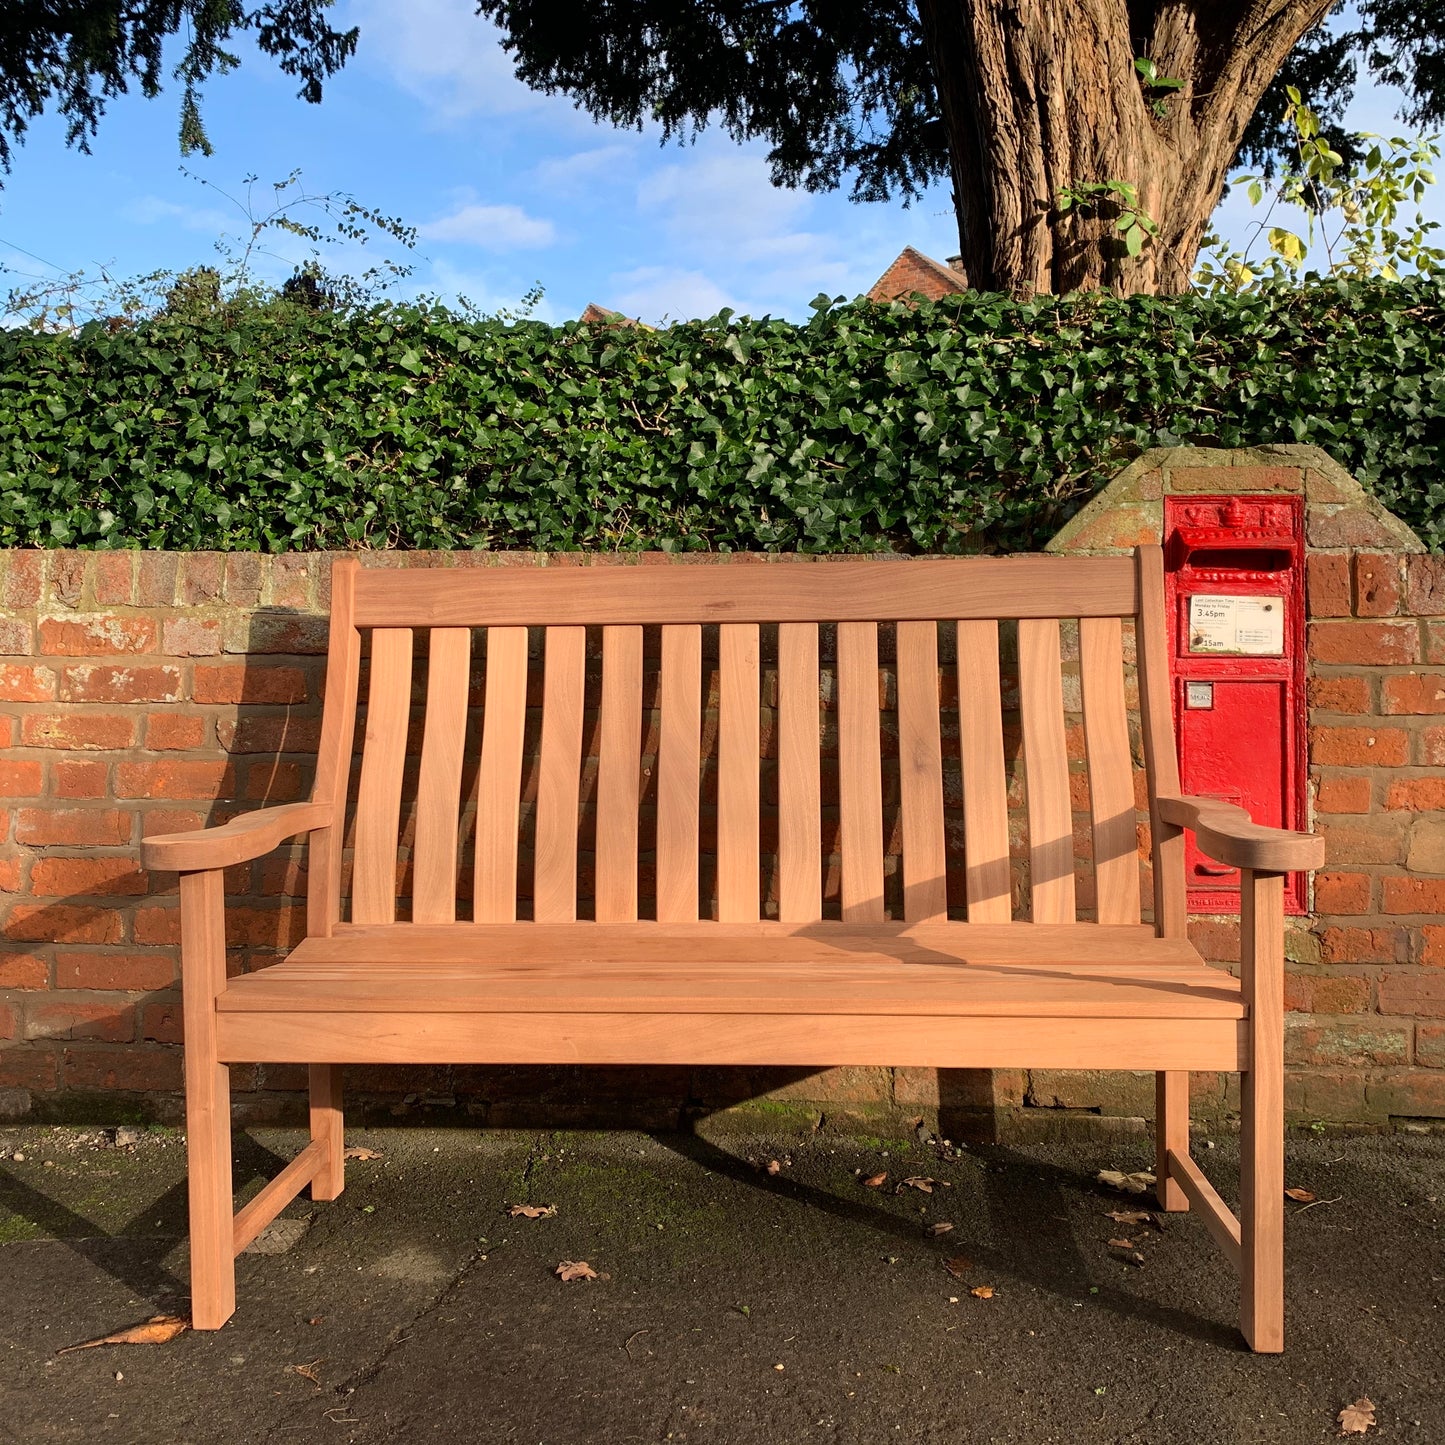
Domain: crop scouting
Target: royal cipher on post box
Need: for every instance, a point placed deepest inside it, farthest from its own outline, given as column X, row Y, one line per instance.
column 1234, row 579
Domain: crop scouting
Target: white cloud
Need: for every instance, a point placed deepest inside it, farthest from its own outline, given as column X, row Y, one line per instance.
column 724, row 204
column 484, row 290
column 152, row 210
column 664, row 293
column 494, row 228
column 566, row 175
column 445, row 54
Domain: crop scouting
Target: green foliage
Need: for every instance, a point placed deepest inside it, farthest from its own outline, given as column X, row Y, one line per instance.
column 1134, row 224
column 1351, row 209
column 1156, row 87
column 978, row 422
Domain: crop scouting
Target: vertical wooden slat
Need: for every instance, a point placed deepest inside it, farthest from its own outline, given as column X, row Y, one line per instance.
column 738, row 773
column 800, row 863
column 1156, row 712
column 920, row 770
column 438, row 798
column 328, row 1128
column 1171, row 1135
column 1046, row 770
column 559, row 778
column 499, row 787
column 619, row 774
column 378, row 801
column 679, row 765
column 1111, row 769
column 985, row 787
column 333, row 759
column 860, row 773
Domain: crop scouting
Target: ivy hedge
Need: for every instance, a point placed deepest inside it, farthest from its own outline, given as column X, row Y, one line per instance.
column 975, row 423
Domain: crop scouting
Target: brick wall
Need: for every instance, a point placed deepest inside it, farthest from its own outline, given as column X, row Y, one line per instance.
column 149, row 692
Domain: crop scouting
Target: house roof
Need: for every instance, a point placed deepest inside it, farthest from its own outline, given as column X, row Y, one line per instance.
column 914, row 272
column 601, row 315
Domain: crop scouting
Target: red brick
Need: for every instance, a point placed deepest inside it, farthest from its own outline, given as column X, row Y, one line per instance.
column 1361, row 1043
column 1413, row 692
column 1356, row 747
column 1349, row 694
column 291, row 580
column 133, row 1070
column 62, row 923
column 1371, row 643
column 286, row 734
column 155, row 821
column 156, row 925
column 1425, row 586
column 175, row 779
column 20, row 682
column 1434, row 641
column 1376, row 839
column 114, row 1022
column 155, row 579
column 243, row 579
column 1432, row 940
column 10, row 874
column 77, row 779
column 1431, row 747
column 23, row 970
column 201, row 577
column 271, row 632
column 162, row 1022
column 1344, row 793
column 7, row 731
column 72, row 827
column 1377, row 584
column 23, row 578
column 1327, row 581
column 1365, row 945
column 96, row 634
column 1417, row 794
column 113, row 577
column 1430, row 1045
column 8, row 1023
column 20, row 778
column 191, row 637
column 1215, row 938
column 71, row 877
column 276, row 782
column 1412, row 895
column 265, row 927
column 66, row 577
column 28, row 1068
column 75, row 731
column 1340, row 994
column 239, row 682
column 1343, row 893
column 15, row 638
column 133, row 972
column 174, row 731
column 115, row 682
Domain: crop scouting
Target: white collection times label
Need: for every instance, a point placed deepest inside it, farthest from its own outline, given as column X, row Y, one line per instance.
column 1243, row 626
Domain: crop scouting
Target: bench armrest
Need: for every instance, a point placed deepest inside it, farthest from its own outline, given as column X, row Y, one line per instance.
column 243, row 838
column 1225, row 833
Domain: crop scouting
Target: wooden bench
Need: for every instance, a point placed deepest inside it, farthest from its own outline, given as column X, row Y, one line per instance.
column 651, row 979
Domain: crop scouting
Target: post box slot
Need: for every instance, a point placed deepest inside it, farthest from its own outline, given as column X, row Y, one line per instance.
column 1238, row 559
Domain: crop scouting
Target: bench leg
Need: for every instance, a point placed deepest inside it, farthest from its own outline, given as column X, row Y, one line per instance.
column 1171, row 1131
column 1262, row 1100
column 208, row 1104
column 208, row 1146
column 327, row 1126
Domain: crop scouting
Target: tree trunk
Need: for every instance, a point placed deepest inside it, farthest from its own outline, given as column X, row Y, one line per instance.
column 1040, row 96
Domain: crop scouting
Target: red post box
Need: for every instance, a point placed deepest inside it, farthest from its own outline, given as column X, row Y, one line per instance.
column 1234, row 579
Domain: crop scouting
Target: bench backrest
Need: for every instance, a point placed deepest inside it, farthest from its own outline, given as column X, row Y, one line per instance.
column 470, row 626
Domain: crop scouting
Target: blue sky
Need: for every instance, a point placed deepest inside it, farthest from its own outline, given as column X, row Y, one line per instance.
column 508, row 187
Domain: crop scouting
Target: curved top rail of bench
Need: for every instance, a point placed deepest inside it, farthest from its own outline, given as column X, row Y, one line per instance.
column 782, row 589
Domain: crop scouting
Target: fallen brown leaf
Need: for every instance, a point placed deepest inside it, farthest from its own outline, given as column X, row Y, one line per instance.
column 1139, row 1182
column 958, row 1266
column 532, row 1211
column 942, row 1227
column 876, row 1181
column 307, row 1372
column 1357, row 1418
column 774, row 1167
column 982, row 1291
column 1300, row 1196
column 359, row 1151
column 158, row 1330
column 1128, row 1216
column 571, row 1269
column 1121, row 1244
column 918, row 1181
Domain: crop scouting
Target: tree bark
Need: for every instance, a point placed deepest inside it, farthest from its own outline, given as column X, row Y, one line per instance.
column 1039, row 96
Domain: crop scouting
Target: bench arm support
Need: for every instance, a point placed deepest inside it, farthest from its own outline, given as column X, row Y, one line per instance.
column 1226, row 834
column 249, row 836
